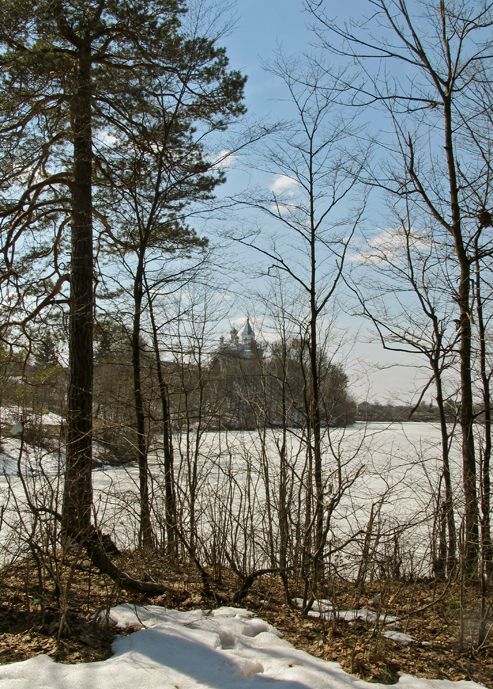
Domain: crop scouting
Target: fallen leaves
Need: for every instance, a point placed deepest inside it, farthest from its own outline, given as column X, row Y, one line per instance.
column 358, row 646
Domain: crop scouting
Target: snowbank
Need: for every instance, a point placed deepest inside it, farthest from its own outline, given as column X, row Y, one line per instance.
column 227, row 648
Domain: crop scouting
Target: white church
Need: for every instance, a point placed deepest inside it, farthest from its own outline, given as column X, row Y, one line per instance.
column 242, row 343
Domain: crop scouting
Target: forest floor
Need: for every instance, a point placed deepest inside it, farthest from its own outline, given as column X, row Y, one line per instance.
column 429, row 612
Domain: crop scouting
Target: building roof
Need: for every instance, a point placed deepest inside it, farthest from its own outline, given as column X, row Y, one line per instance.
column 247, row 330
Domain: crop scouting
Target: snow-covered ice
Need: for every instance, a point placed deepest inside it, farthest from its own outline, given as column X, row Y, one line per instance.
column 398, row 461
column 33, row 460
column 228, row 648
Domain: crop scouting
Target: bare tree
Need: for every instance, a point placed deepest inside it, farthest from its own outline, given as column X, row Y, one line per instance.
column 444, row 51
column 315, row 174
column 410, row 306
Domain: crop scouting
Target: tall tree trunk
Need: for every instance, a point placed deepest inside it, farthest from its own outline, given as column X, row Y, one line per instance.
column 307, row 486
column 146, row 536
column 77, row 499
column 448, row 504
column 471, row 546
column 315, row 392
column 317, row 455
column 283, row 508
column 169, row 476
column 486, row 543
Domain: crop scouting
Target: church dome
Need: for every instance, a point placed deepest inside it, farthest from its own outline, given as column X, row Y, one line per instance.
column 247, row 334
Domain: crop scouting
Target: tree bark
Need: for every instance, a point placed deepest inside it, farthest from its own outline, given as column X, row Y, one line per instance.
column 283, row 507
column 486, row 543
column 78, row 483
column 448, row 505
column 169, row 476
column 145, row 535
column 471, row 546
column 315, row 390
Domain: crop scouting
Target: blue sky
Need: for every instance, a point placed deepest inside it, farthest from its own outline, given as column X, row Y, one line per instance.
column 261, row 27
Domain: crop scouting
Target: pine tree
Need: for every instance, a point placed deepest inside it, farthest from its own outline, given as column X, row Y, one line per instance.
column 73, row 71
column 46, row 354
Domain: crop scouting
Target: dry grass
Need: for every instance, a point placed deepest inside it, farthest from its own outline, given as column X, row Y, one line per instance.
column 429, row 612
column 362, row 650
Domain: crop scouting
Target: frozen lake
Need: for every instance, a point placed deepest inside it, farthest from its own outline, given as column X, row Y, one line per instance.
column 228, row 490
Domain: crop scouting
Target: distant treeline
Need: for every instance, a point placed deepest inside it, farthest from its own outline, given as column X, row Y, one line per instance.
column 376, row 411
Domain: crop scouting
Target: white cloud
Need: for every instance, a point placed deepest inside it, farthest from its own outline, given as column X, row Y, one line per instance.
column 223, row 159
column 240, row 322
column 389, row 244
column 222, row 296
column 283, row 184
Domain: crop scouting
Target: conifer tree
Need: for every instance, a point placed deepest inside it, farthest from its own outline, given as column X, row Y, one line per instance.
column 73, row 72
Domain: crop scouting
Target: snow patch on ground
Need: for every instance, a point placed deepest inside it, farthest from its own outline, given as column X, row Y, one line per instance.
column 322, row 605
column 11, row 415
column 323, row 608
column 400, row 637
column 228, row 648
column 366, row 616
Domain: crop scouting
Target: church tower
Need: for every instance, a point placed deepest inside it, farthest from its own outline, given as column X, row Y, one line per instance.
column 234, row 338
column 247, row 335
